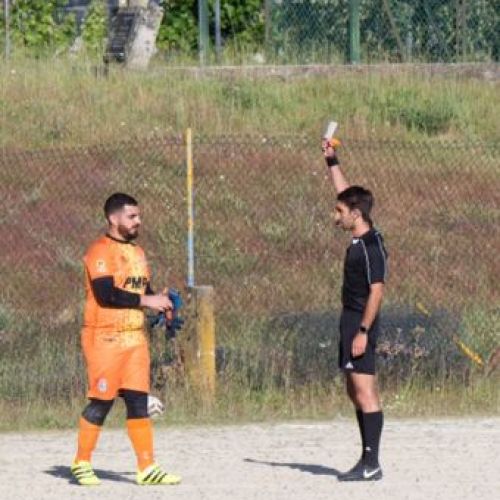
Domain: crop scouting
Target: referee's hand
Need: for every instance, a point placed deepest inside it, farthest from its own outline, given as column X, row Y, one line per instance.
column 326, row 147
column 359, row 344
column 329, row 149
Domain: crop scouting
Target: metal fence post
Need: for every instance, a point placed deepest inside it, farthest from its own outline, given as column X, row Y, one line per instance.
column 354, row 35
column 203, row 31
column 6, row 15
column 268, row 12
column 190, row 208
column 461, row 30
column 218, row 38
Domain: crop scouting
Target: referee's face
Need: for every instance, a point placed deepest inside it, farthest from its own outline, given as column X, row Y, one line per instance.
column 344, row 217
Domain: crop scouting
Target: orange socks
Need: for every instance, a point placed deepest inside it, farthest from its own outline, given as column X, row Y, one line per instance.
column 140, row 432
column 87, row 439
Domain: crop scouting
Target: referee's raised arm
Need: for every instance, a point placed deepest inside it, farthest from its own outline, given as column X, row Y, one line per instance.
column 339, row 181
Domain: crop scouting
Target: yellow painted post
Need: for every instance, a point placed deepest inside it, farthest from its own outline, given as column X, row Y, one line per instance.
column 198, row 343
column 205, row 334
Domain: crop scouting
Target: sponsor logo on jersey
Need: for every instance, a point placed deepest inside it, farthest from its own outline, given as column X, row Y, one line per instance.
column 136, row 282
column 100, row 266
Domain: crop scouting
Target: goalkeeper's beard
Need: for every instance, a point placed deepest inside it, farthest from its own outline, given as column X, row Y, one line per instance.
column 128, row 234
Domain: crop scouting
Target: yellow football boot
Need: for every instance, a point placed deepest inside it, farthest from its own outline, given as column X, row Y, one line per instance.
column 154, row 474
column 82, row 471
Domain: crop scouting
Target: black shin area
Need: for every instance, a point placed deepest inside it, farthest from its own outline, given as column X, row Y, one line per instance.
column 373, row 423
column 359, row 418
column 97, row 410
column 136, row 403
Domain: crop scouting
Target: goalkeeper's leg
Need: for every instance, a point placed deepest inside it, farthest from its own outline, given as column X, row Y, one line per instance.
column 140, row 431
column 91, row 421
column 139, row 428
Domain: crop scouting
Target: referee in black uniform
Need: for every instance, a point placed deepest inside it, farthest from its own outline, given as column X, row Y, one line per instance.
column 365, row 269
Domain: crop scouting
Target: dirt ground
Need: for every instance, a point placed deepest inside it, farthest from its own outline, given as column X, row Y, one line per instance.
column 439, row 459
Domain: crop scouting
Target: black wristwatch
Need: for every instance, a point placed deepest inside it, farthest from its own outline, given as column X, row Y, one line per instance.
column 363, row 329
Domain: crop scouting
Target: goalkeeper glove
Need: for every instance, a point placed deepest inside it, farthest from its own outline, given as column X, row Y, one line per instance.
column 176, row 322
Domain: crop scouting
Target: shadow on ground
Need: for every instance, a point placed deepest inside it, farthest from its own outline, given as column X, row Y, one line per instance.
column 319, row 470
column 64, row 472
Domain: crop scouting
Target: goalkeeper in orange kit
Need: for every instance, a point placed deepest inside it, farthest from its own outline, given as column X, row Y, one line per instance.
column 115, row 347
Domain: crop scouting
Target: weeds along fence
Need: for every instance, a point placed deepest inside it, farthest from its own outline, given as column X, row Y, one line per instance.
column 265, row 239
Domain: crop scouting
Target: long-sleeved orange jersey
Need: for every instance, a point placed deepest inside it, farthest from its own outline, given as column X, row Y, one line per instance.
column 126, row 263
column 113, row 339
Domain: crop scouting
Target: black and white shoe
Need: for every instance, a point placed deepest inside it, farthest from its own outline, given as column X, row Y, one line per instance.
column 362, row 472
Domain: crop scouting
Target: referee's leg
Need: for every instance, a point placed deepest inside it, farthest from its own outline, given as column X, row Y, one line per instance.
column 363, row 390
column 351, row 392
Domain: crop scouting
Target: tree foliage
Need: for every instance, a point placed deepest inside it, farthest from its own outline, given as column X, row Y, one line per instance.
column 95, row 27
column 179, row 27
column 242, row 23
column 40, row 24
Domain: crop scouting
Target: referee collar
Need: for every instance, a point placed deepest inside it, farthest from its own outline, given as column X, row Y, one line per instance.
column 364, row 236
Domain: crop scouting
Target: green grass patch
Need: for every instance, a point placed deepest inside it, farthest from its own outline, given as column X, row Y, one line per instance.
column 237, row 404
column 62, row 102
column 419, row 111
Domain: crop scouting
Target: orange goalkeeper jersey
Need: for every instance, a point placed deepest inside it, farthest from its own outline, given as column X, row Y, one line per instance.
column 126, row 263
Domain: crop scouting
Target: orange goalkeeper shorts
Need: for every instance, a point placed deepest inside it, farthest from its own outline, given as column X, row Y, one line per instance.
column 113, row 365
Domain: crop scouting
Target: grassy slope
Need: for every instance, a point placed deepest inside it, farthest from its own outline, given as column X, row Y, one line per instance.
column 63, row 103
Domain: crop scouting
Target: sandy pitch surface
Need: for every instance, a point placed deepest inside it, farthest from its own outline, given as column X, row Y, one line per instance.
column 434, row 459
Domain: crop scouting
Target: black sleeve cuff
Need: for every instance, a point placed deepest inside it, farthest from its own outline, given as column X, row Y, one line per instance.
column 107, row 295
column 332, row 161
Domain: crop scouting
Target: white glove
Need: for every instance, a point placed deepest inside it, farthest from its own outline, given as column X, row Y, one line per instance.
column 155, row 406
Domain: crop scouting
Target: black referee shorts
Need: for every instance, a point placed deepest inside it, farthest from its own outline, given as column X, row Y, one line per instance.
column 350, row 321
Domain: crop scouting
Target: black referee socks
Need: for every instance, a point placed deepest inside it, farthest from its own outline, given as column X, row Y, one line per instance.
column 359, row 417
column 372, row 425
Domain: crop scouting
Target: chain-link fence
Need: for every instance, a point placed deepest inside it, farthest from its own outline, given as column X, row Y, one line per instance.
column 51, row 209
column 304, row 31
column 384, row 30
column 265, row 239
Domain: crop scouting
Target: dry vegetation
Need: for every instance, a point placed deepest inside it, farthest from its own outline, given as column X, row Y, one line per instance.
column 427, row 146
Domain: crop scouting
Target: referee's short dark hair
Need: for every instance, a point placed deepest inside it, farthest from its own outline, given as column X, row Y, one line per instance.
column 357, row 197
column 116, row 202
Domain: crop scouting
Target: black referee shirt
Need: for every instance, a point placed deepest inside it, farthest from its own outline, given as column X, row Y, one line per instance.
column 365, row 263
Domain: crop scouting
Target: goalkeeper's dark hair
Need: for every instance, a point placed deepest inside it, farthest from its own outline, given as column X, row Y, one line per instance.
column 357, row 197
column 116, row 202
